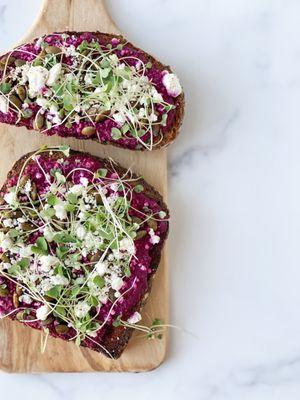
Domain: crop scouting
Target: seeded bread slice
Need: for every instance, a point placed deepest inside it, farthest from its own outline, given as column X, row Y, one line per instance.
column 167, row 133
column 116, row 338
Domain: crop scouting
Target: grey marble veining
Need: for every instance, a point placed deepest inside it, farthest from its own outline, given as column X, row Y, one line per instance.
column 234, row 197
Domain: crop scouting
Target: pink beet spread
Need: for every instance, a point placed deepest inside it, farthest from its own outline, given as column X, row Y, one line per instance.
column 141, row 266
column 104, row 128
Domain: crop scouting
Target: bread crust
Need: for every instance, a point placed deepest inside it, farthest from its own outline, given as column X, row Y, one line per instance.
column 179, row 101
column 115, row 339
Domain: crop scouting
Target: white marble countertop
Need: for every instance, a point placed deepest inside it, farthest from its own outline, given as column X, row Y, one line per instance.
column 234, row 197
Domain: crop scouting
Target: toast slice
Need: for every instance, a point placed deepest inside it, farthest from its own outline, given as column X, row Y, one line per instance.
column 91, row 85
column 80, row 241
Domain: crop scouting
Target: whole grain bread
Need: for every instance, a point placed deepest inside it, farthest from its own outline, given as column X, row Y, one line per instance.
column 116, row 338
column 169, row 134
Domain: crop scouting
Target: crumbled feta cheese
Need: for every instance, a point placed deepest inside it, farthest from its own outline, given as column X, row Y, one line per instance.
column 42, row 312
column 134, row 318
column 127, row 245
column 116, row 282
column 114, row 186
column 154, row 239
column 8, row 223
column 37, row 77
column 162, row 214
column 119, row 118
column 54, row 73
column 80, row 232
column 47, row 262
column 25, row 298
column 25, row 251
column 59, row 280
column 4, row 104
column 5, row 242
column 48, row 234
column 101, row 267
column 76, row 189
column 42, row 102
column 157, row 97
column 172, row 84
column 60, row 211
column 81, row 309
column 10, row 197
column 84, row 181
column 27, row 187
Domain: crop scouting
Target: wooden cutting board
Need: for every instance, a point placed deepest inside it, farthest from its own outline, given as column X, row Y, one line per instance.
column 20, row 345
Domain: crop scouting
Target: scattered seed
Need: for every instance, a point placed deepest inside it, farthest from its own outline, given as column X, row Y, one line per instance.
column 33, row 191
column 26, row 226
column 48, row 321
column 20, row 316
column 15, row 101
column 19, row 62
column 21, row 92
column 3, row 291
column 38, row 122
column 52, row 50
column 101, row 117
column 140, row 234
column 16, row 302
column 62, row 329
column 96, row 257
column 88, row 131
column 2, row 201
column 152, row 224
column 98, row 199
column 23, row 181
column 19, row 290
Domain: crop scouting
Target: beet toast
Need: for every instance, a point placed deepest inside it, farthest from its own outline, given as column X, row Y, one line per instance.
column 80, row 241
column 91, row 85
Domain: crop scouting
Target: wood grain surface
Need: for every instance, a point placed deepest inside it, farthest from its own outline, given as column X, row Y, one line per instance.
column 20, row 345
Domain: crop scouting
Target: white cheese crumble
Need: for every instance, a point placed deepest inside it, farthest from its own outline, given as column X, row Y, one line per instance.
column 54, row 73
column 60, row 210
column 25, row 298
column 10, row 198
column 81, row 309
column 101, row 267
column 42, row 312
column 37, row 78
column 76, row 189
column 127, row 245
column 48, row 234
column 59, row 280
column 4, row 104
column 5, row 242
column 80, row 232
column 47, row 262
column 154, row 239
column 119, row 118
column 134, row 318
column 116, row 282
column 172, row 84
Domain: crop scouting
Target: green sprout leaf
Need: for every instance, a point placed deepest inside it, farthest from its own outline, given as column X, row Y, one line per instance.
column 116, row 133
column 138, row 188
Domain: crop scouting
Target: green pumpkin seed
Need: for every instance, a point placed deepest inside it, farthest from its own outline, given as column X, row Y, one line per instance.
column 20, row 316
column 140, row 234
column 96, row 257
column 23, row 180
column 4, row 258
column 152, row 224
column 26, row 226
column 16, row 302
column 48, row 321
column 21, row 92
column 3, row 291
column 88, row 131
column 62, row 329
column 7, row 60
column 15, row 101
column 38, row 122
column 19, row 62
column 101, row 117
column 33, row 191
column 136, row 220
column 27, row 113
column 19, row 290
column 2, row 201
column 52, row 50
column 98, row 199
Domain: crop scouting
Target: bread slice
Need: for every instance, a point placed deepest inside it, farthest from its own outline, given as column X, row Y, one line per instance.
column 80, row 241
column 91, row 85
